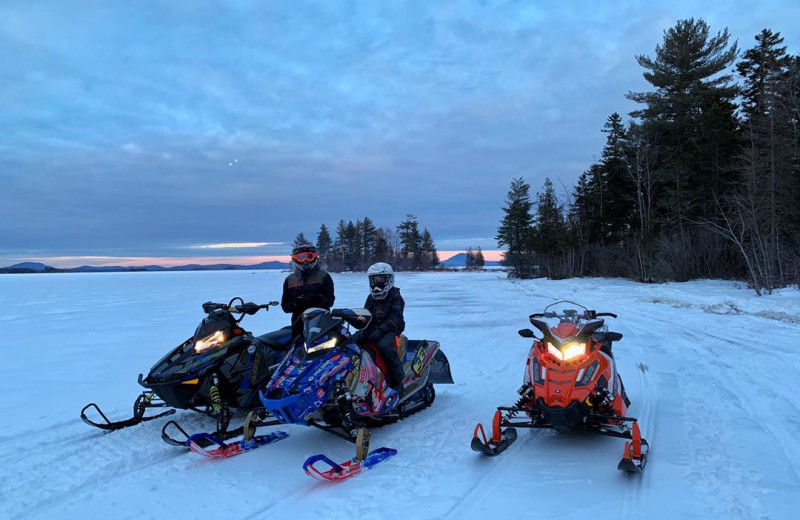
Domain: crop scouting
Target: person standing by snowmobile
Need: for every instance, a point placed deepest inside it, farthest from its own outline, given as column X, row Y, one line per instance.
column 309, row 285
column 387, row 306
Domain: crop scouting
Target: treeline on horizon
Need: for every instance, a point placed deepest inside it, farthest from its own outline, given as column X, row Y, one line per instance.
column 361, row 243
column 702, row 182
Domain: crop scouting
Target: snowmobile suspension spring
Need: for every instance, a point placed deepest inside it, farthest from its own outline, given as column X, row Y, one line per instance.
column 216, row 398
column 342, row 400
column 521, row 401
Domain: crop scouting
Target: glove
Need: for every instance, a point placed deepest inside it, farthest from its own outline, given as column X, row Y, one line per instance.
column 357, row 337
column 374, row 336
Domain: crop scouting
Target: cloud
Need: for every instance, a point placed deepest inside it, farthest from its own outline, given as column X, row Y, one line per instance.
column 126, row 121
column 234, row 245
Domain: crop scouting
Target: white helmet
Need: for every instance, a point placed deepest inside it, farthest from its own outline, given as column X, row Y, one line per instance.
column 381, row 280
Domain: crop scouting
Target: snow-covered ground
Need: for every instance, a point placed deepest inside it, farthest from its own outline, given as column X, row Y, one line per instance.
column 712, row 371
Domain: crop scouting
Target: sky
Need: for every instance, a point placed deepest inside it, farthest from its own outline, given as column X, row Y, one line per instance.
column 185, row 129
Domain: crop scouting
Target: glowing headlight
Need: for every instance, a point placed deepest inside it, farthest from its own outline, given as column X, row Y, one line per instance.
column 214, row 340
column 569, row 351
column 574, row 350
column 319, row 347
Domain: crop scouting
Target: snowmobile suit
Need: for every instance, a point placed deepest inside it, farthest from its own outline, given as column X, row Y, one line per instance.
column 387, row 323
column 303, row 290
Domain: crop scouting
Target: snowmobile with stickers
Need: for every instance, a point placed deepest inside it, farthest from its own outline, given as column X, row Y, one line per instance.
column 219, row 369
column 329, row 382
column 570, row 384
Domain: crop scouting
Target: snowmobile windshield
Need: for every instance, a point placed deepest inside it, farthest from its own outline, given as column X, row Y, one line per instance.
column 321, row 332
column 318, row 323
column 213, row 331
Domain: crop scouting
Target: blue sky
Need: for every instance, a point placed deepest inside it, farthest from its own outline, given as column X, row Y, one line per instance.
column 149, row 128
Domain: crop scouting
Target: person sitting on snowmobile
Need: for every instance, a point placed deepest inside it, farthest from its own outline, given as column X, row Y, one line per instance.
column 386, row 305
column 309, row 285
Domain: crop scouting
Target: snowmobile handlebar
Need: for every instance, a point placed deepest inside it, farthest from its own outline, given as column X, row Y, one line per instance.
column 588, row 314
column 245, row 308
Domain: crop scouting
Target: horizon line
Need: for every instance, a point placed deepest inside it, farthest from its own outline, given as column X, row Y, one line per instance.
column 70, row 262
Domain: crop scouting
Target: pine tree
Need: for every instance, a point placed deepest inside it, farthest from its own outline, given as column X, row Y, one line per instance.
column 410, row 242
column 548, row 231
column 368, row 240
column 430, row 257
column 479, row 261
column 618, row 189
column 690, row 118
column 470, row 260
column 515, row 229
column 300, row 240
column 324, row 242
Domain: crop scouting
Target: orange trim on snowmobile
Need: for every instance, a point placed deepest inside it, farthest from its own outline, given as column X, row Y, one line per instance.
column 497, row 433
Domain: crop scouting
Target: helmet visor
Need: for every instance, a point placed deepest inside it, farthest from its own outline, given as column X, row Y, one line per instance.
column 378, row 280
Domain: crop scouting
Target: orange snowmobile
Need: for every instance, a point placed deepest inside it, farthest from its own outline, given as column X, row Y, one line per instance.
column 571, row 384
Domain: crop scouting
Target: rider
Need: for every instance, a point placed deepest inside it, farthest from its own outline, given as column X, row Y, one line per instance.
column 386, row 305
column 309, row 285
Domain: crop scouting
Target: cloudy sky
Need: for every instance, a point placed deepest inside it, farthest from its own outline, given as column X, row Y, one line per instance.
column 159, row 128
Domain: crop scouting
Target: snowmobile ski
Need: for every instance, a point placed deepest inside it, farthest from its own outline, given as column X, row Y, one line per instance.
column 634, row 458
column 364, row 459
column 198, row 442
column 346, row 470
column 501, row 439
column 143, row 402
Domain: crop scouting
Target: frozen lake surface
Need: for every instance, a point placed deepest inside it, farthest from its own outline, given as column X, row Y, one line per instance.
column 712, row 372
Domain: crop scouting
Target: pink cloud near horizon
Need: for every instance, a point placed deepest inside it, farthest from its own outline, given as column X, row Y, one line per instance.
column 138, row 261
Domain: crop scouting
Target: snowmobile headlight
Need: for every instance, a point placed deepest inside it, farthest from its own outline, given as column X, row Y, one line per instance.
column 552, row 349
column 573, row 350
column 319, row 347
column 211, row 341
column 568, row 351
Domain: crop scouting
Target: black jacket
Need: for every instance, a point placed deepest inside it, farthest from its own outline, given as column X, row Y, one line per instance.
column 304, row 290
column 387, row 315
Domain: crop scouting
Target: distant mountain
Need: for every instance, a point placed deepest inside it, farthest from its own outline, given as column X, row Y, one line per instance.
column 36, row 267
column 28, row 267
column 460, row 260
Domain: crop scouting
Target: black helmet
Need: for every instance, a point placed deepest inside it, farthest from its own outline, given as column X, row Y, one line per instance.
column 305, row 258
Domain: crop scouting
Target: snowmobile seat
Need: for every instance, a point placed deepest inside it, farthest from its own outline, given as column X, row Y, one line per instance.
column 280, row 339
column 399, row 345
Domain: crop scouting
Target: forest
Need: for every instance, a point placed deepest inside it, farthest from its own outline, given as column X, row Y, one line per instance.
column 359, row 244
column 701, row 181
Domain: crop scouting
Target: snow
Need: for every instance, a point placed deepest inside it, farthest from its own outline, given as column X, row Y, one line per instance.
column 711, row 369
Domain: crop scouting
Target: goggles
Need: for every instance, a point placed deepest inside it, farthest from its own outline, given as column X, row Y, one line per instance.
column 303, row 258
column 378, row 280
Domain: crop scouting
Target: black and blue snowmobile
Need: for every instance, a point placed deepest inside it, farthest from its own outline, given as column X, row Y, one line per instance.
column 220, row 368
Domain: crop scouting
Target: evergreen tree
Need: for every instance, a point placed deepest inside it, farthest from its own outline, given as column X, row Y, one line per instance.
column 515, row 229
column 470, row 260
column 324, row 242
column 479, row 260
column 383, row 251
column 548, row 230
column 617, row 186
column 410, row 242
column 430, row 257
column 690, row 117
column 368, row 240
column 340, row 245
column 300, row 240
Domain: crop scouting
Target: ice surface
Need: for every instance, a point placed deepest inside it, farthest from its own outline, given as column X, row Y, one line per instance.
column 712, row 372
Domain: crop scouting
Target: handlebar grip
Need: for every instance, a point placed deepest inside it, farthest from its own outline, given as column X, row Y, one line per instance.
column 611, row 314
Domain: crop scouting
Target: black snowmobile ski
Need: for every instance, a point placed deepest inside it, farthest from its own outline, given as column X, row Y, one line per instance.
column 140, row 406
